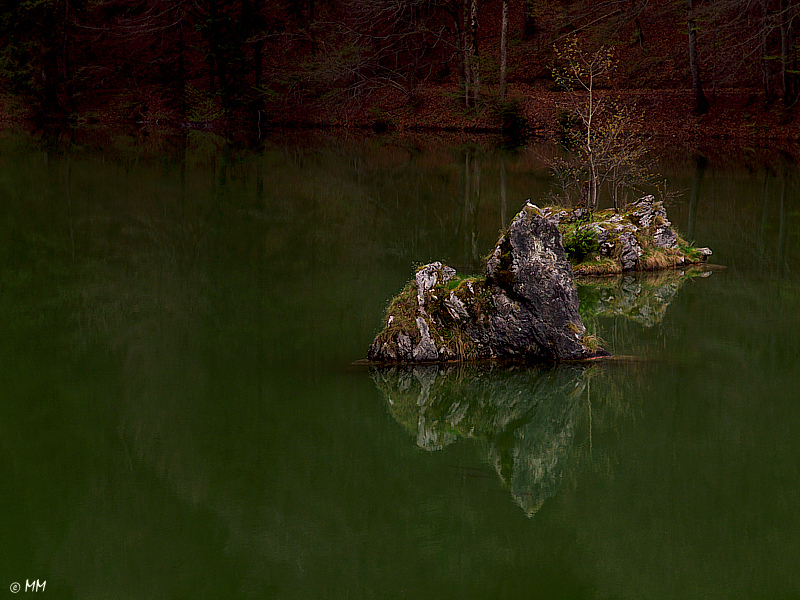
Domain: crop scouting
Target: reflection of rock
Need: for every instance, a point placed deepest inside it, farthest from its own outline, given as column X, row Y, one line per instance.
column 526, row 306
column 641, row 297
column 526, row 416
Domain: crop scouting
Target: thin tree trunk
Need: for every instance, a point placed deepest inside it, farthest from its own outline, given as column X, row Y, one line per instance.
column 466, row 47
column 700, row 101
column 65, row 51
column 592, row 202
column 530, row 22
column 65, row 60
column 182, row 108
column 473, row 43
column 503, row 49
column 258, row 46
column 787, row 91
column 763, row 50
column 639, row 32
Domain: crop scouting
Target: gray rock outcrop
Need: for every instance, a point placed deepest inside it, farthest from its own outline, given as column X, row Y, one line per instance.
column 640, row 238
column 535, row 300
column 525, row 307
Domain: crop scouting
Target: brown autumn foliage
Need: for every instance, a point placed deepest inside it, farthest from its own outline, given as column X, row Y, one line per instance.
column 395, row 64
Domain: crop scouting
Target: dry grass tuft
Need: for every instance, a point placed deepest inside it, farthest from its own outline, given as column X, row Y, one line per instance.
column 600, row 266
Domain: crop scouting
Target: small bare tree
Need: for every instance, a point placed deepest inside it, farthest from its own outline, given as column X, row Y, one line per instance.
column 579, row 73
column 622, row 155
column 605, row 151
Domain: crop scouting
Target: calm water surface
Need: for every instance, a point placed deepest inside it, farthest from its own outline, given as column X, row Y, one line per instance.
column 180, row 418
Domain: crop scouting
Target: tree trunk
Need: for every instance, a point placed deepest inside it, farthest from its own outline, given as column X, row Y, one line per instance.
column 700, row 102
column 65, row 51
column 530, row 22
column 503, row 49
column 639, row 32
column 65, row 61
column 763, row 51
column 474, row 63
column 788, row 95
column 466, row 47
column 182, row 108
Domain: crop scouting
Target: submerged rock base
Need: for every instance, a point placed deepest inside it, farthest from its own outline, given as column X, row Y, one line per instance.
column 526, row 306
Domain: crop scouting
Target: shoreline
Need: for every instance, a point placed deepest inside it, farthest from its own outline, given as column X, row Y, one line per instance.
column 735, row 116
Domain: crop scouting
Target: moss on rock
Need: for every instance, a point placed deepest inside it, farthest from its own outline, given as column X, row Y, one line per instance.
column 526, row 306
column 638, row 239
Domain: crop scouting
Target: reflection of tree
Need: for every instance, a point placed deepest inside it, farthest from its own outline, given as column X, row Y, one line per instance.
column 526, row 415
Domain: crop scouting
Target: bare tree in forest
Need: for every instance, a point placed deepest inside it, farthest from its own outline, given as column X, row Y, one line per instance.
column 471, row 61
column 755, row 41
column 503, row 49
column 379, row 44
column 787, row 77
column 35, row 53
column 701, row 104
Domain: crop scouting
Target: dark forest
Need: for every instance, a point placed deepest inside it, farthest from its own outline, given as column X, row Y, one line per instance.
column 453, row 64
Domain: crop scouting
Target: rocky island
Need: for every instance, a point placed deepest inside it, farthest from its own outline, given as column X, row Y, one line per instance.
column 525, row 306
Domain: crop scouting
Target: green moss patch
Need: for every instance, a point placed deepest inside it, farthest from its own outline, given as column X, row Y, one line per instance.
column 401, row 316
column 580, row 242
column 445, row 330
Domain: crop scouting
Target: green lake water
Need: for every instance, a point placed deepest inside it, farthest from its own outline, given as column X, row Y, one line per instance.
column 180, row 416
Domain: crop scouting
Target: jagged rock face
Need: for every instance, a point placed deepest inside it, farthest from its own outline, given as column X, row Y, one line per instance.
column 630, row 250
column 534, row 294
column 414, row 333
column 652, row 215
column 428, row 276
column 526, row 307
column 426, row 349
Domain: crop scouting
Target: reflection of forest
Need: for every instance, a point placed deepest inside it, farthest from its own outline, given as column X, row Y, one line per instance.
column 525, row 414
